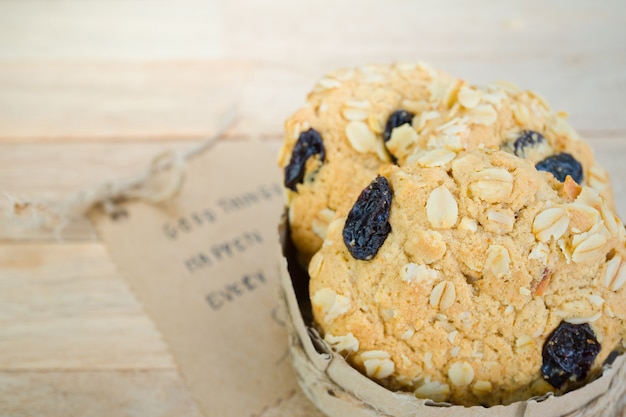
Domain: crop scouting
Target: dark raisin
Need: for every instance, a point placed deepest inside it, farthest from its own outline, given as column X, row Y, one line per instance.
column 397, row 119
column 561, row 165
column 367, row 225
column 309, row 144
column 568, row 353
column 528, row 139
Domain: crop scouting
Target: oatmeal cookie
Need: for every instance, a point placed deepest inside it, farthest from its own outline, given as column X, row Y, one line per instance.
column 472, row 277
column 358, row 120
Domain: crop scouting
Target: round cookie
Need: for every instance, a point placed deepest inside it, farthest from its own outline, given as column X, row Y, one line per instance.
column 472, row 278
column 378, row 115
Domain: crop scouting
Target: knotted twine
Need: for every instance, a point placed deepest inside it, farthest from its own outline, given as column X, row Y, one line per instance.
column 158, row 182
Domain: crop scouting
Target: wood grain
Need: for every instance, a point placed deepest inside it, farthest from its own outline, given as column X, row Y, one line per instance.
column 91, row 394
column 186, row 100
column 84, row 165
column 83, row 70
column 65, row 307
column 90, row 91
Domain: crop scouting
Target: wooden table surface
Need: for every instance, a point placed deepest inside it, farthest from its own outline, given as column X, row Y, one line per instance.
column 91, row 90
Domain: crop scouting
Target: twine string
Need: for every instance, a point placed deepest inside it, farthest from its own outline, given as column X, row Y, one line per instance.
column 158, row 182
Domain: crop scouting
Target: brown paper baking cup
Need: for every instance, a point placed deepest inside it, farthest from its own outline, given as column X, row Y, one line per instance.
column 339, row 390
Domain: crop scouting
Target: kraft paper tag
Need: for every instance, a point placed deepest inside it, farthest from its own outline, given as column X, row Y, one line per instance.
column 204, row 266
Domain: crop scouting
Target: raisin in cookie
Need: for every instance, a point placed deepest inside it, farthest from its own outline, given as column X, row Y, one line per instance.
column 357, row 120
column 474, row 278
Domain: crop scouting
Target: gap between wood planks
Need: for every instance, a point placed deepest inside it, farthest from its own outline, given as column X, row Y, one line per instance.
column 169, row 138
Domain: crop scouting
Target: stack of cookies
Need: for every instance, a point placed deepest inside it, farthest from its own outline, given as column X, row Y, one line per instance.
column 460, row 240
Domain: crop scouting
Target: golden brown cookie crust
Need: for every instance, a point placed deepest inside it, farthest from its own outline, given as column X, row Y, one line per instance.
column 350, row 107
column 485, row 258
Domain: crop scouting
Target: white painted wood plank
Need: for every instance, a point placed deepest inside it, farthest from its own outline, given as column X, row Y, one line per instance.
column 111, row 30
column 86, row 101
column 300, row 32
column 129, row 101
column 135, row 69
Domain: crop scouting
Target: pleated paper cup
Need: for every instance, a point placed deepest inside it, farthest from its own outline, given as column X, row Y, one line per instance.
column 339, row 390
